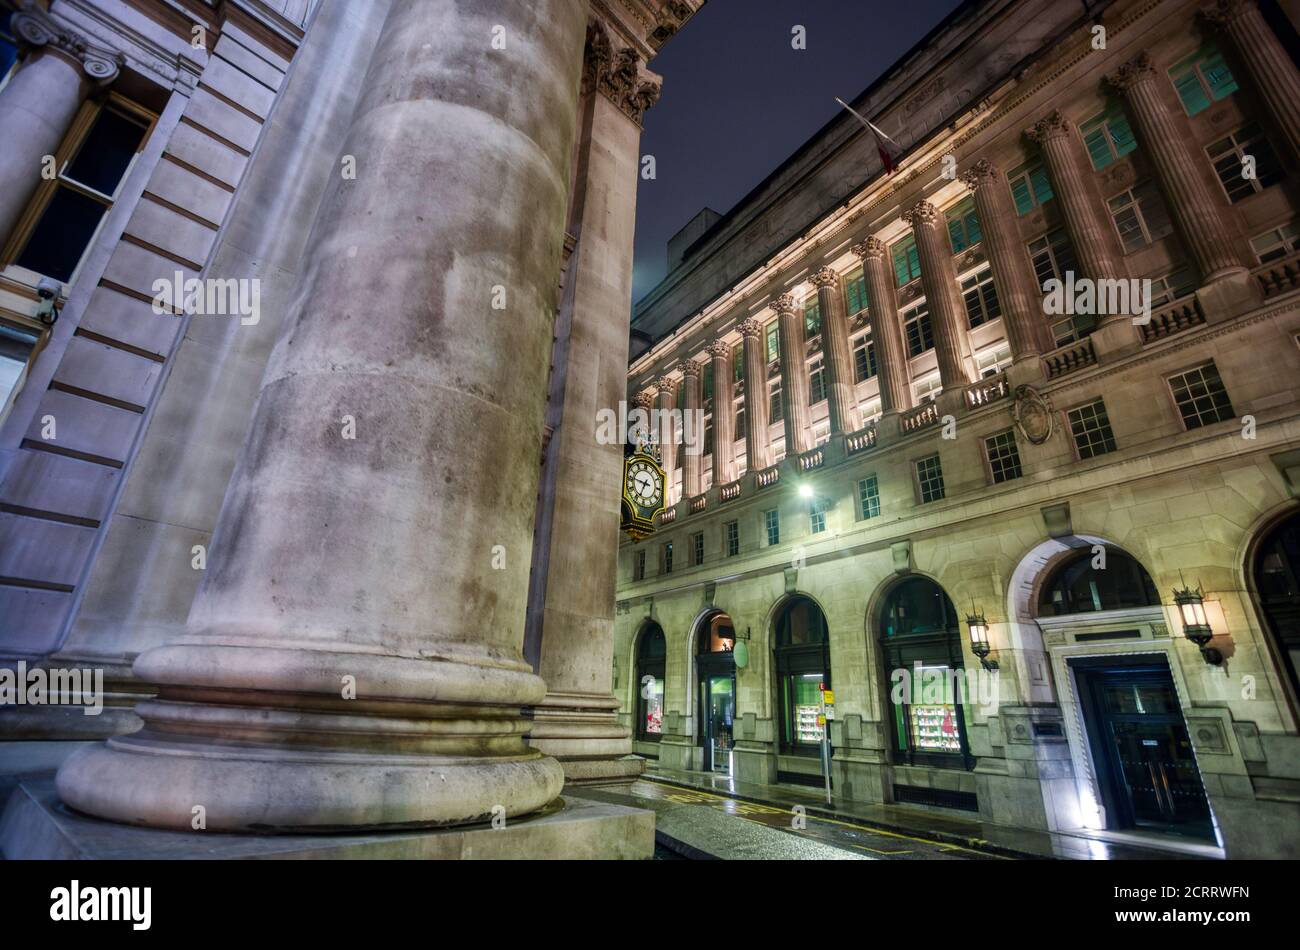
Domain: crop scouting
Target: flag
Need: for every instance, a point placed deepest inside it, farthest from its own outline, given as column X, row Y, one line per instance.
column 888, row 156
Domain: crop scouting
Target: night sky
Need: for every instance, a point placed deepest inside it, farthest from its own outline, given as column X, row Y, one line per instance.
column 738, row 99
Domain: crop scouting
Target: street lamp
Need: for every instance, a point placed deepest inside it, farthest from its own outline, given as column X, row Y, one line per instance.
column 979, row 638
column 805, row 490
column 1196, row 625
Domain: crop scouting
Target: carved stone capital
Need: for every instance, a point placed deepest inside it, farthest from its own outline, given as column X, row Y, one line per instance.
column 1139, row 69
column 980, row 174
column 825, row 277
column 666, row 384
column 871, row 249
column 1224, row 12
column 37, row 28
column 671, row 17
column 751, row 328
column 1054, row 126
column 719, row 349
column 783, row 303
column 922, row 213
column 644, row 400
column 616, row 74
column 692, row 369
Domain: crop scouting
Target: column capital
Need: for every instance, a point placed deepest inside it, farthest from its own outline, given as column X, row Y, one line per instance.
column 783, row 303
column 1139, row 69
column 825, row 277
column 644, row 399
column 617, row 74
column 1223, row 12
column 692, row 369
column 872, row 247
column 1053, row 126
column 719, row 349
column 666, row 384
column 37, row 28
column 750, row 328
column 980, row 174
column 921, row 213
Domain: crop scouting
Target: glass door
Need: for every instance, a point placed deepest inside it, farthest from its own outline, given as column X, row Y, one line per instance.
column 721, row 713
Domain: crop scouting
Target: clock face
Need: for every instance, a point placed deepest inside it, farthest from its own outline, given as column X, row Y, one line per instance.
column 644, row 484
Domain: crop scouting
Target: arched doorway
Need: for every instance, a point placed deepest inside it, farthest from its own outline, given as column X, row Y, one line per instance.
column 802, row 664
column 651, row 652
column 1142, row 757
column 1276, row 575
column 715, row 668
column 920, row 642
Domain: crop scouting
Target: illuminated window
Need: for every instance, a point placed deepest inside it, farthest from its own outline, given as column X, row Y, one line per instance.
column 868, row 498
column 907, row 261
column 964, row 226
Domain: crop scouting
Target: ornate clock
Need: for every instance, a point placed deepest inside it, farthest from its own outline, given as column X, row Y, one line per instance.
column 643, row 492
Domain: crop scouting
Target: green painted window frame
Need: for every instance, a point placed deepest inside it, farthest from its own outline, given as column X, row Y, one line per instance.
column 1203, row 79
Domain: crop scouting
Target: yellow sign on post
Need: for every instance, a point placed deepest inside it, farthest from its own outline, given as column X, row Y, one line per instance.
column 828, row 697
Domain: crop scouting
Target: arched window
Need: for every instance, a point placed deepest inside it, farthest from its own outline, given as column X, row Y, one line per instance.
column 803, row 668
column 920, row 640
column 1277, row 581
column 650, row 653
column 715, row 670
column 1077, row 587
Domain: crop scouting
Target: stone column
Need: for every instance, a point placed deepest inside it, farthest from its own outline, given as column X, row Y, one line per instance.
column 1274, row 73
column 40, row 101
column 893, row 368
column 1202, row 212
column 939, row 281
column 841, row 391
column 669, row 433
column 1090, row 230
column 353, row 657
column 794, row 377
column 1023, row 319
column 724, row 415
column 577, row 722
column 758, row 452
column 693, row 434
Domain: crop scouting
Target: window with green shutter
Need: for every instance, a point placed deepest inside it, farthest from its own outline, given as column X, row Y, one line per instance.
column 708, row 381
column 855, row 288
column 1203, row 79
column 738, row 362
column 812, row 318
column 907, row 263
column 773, row 342
column 964, row 226
column 1108, row 138
column 1030, row 187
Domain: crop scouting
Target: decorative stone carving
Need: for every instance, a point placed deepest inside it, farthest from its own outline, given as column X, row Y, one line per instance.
column 671, row 17
column 719, row 349
column 617, row 75
column 750, row 328
column 1033, row 415
column 1054, row 126
column 980, row 174
column 666, row 384
column 922, row 213
column 872, row 247
column 783, row 303
column 1134, row 71
column 692, row 369
column 644, row 400
column 38, row 28
column 825, row 277
column 1224, row 12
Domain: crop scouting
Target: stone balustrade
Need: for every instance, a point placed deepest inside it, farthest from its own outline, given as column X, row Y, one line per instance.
column 988, row 390
column 1066, row 359
column 1280, row 276
column 860, row 441
column 921, row 417
column 1174, row 317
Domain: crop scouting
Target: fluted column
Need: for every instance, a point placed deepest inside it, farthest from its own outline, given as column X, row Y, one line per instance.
column 669, row 433
column 40, row 101
column 757, row 451
column 1202, row 212
column 1085, row 219
column 1274, row 72
column 939, row 281
column 693, row 428
column 892, row 366
column 1023, row 320
column 794, row 377
column 353, row 657
column 724, row 415
column 842, row 394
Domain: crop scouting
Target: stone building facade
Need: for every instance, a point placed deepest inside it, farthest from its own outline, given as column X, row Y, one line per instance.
column 309, row 539
column 912, row 451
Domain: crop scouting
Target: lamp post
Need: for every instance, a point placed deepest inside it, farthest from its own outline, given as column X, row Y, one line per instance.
column 1196, row 625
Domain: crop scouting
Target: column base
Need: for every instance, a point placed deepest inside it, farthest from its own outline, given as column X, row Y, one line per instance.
column 583, row 734
column 1229, row 294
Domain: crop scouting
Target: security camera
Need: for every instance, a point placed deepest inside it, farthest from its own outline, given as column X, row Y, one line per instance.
column 48, row 311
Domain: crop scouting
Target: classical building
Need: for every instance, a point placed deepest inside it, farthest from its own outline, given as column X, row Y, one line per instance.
column 1039, row 543
column 302, row 337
